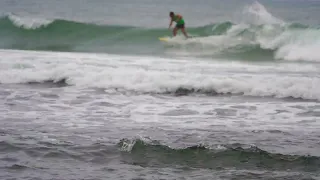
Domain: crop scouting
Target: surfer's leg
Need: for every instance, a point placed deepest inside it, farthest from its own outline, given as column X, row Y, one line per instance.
column 184, row 32
column 182, row 27
column 175, row 31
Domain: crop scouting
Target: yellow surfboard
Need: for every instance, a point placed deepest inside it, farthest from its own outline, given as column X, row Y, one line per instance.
column 164, row 39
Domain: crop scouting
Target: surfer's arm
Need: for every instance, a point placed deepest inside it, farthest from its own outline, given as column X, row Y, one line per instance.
column 170, row 23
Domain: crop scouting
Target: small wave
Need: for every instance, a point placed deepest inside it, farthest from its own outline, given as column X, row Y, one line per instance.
column 19, row 167
column 8, row 147
column 235, row 155
column 146, row 152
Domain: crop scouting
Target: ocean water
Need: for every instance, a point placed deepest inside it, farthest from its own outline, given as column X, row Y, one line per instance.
column 87, row 91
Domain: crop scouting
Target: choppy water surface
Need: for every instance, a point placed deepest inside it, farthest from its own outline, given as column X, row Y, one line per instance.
column 96, row 100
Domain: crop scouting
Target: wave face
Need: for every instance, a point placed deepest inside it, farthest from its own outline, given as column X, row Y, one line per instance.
column 260, row 36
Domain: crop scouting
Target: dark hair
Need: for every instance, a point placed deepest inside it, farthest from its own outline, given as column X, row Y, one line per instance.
column 171, row 13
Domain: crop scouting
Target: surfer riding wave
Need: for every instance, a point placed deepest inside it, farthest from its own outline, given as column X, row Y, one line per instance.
column 180, row 24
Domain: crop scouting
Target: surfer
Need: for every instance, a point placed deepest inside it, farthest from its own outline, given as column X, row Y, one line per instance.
column 179, row 24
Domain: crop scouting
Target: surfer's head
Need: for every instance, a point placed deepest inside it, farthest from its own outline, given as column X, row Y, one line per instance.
column 171, row 14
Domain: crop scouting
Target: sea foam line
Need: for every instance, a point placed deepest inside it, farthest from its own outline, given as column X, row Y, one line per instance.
column 154, row 75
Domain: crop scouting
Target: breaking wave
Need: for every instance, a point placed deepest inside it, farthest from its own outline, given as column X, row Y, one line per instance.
column 260, row 36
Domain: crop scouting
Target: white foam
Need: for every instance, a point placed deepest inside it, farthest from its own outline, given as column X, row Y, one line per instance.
column 28, row 22
column 301, row 46
column 289, row 44
column 159, row 75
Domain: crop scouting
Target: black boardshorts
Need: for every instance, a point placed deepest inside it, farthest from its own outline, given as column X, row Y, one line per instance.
column 180, row 26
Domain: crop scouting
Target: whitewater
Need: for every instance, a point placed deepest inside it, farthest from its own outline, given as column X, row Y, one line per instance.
column 89, row 92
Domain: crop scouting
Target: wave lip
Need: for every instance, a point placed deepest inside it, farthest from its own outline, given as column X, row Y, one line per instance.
column 28, row 22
